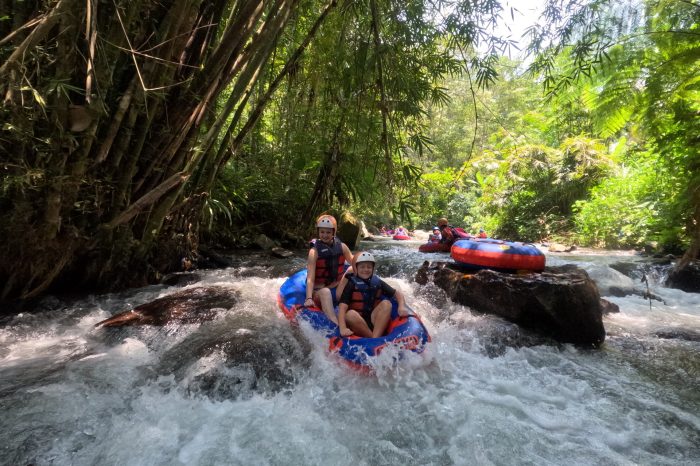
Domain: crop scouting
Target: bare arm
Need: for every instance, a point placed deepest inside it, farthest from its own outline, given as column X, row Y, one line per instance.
column 342, row 282
column 310, row 273
column 347, row 254
column 402, row 304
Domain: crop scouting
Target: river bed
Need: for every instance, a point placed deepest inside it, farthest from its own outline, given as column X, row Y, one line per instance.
column 483, row 393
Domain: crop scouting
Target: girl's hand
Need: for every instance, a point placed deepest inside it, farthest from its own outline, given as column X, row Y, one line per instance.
column 309, row 300
column 346, row 332
column 403, row 312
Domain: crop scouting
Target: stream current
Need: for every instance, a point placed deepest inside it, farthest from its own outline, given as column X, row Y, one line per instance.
column 248, row 388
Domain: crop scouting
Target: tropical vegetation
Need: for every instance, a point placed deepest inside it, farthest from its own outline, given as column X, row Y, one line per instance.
column 133, row 132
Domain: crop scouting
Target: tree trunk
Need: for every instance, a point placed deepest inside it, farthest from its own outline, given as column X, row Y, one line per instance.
column 693, row 226
column 144, row 88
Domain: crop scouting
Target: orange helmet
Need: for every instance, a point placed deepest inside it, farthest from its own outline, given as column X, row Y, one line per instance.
column 362, row 256
column 442, row 222
column 327, row 221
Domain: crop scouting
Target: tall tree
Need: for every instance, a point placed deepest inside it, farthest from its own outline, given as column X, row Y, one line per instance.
column 109, row 108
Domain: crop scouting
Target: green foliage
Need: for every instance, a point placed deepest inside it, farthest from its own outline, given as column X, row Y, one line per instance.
column 320, row 139
column 630, row 208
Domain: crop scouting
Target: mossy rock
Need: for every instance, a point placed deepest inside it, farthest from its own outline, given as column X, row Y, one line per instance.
column 349, row 228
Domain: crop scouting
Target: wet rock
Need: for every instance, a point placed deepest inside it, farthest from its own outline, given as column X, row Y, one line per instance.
column 209, row 259
column 349, row 229
column 556, row 247
column 678, row 334
column 686, row 279
column 364, row 232
column 265, row 243
column 651, row 247
column 281, row 253
column 610, row 282
column 562, row 302
column 244, row 353
column 180, row 279
column 501, row 338
column 193, row 305
column 607, row 307
column 630, row 269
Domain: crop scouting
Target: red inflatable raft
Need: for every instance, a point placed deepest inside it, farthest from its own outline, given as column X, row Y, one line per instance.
column 498, row 255
column 401, row 237
column 434, row 247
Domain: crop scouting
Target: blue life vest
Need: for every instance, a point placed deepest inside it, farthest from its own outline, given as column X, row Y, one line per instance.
column 330, row 262
column 366, row 294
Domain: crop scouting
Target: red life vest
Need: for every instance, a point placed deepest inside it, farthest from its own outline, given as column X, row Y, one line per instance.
column 330, row 262
column 448, row 234
column 365, row 294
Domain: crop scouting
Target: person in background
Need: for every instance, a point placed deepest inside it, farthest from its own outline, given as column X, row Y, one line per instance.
column 325, row 267
column 482, row 234
column 435, row 236
column 401, row 231
column 365, row 309
column 446, row 231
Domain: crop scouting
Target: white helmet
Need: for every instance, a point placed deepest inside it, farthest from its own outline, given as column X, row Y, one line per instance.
column 326, row 221
column 363, row 257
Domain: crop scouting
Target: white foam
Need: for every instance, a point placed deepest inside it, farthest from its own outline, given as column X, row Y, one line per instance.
column 75, row 395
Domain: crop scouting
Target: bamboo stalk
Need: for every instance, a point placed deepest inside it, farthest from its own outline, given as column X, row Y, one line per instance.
column 256, row 53
column 114, row 126
column 248, row 76
column 59, row 181
column 29, row 24
column 382, row 91
column 91, row 37
column 148, row 199
column 38, row 34
column 225, row 151
column 262, row 103
column 47, row 278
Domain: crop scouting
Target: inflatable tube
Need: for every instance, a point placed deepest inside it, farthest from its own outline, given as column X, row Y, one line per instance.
column 434, row 247
column 408, row 333
column 504, row 256
column 401, row 237
column 461, row 233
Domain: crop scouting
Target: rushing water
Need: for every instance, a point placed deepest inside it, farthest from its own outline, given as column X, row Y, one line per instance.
column 248, row 388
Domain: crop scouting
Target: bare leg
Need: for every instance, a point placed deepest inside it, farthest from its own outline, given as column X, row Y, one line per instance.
column 380, row 318
column 357, row 324
column 324, row 296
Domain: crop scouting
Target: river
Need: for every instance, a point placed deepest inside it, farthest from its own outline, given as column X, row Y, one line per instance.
column 483, row 393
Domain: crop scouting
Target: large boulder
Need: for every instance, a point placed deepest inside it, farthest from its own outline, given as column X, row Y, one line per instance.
column 686, row 279
column 349, row 229
column 264, row 242
column 242, row 353
column 562, row 302
column 192, row 305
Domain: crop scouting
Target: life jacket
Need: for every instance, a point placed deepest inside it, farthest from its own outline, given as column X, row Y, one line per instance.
column 330, row 262
column 366, row 294
column 448, row 234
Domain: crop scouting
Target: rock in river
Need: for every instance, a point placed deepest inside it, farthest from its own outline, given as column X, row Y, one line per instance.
column 561, row 302
column 190, row 305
